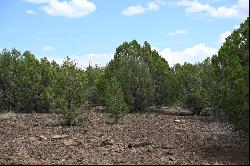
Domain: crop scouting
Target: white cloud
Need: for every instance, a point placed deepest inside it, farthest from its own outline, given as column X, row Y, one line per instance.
column 160, row 2
column 38, row 1
column 48, row 48
column 177, row 32
column 153, row 6
column 99, row 59
column 195, row 54
column 68, row 9
column 238, row 10
column 83, row 61
column 222, row 37
column 30, row 12
column 134, row 10
column 139, row 9
column 236, row 27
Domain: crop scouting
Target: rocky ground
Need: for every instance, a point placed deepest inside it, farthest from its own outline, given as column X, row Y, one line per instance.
column 168, row 136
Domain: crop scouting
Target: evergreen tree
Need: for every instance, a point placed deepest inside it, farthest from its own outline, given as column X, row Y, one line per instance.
column 93, row 75
column 115, row 103
column 133, row 74
column 160, row 72
column 68, row 91
column 231, row 67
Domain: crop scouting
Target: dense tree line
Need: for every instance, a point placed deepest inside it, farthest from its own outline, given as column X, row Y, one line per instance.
column 220, row 83
column 137, row 77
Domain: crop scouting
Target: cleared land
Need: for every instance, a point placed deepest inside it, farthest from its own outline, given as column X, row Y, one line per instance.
column 167, row 136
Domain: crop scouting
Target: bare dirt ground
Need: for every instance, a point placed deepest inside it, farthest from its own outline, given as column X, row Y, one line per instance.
column 170, row 136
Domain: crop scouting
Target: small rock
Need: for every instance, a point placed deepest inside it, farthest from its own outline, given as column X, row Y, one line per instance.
column 43, row 137
column 167, row 147
column 68, row 142
column 79, row 159
column 137, row 145
column 65, row 130
column 150, row 149
column 163, row 159
column 177, row 120
column 165, row 107
column 171, row 158
column 168, row 153
column 206, row 164
column 216, row 163
column 119, row 161
column 32, row 138
column 104, row 153
column 106, row 142
column 59, row 136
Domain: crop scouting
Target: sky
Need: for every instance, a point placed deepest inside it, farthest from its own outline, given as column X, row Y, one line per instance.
column 89, row 31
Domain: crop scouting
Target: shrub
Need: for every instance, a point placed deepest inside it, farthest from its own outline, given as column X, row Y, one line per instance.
column 115, row 103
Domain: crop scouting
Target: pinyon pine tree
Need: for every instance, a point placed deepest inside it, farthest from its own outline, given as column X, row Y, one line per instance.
column 115, row 103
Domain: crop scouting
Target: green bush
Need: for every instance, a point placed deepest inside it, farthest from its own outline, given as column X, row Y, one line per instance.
column 133, row 74
column 231, row 70
column 115, row 103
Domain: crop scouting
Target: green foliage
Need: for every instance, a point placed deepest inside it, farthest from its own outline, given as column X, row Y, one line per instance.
column 27, row 84
column 160, row 72
column 68, row 91
column 189, row 89
column 220, row 84
column 115, row 103
column 6, row 63
column 133, row 74
column 9, row 79
column 93, row 76
column 231, row 69
column 136, row 78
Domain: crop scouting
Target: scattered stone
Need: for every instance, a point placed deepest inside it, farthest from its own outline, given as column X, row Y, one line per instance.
column 43, row 137
column 171, row 158
column 167, row 147
column 206, row 163
column 68, row 142
column 65, row 130
column 196, row 134
column 177, row 120
column 150, row 149
column 216, row 163
column 137, row 145
column 168, row 153
column 106, row 142
column 60, row 136
column 119, row 161
column 33, row 138
column 104, row 153
column 100, row 135
column 163, row 159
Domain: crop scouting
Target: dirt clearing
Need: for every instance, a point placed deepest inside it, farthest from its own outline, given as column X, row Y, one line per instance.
column 169, row 136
